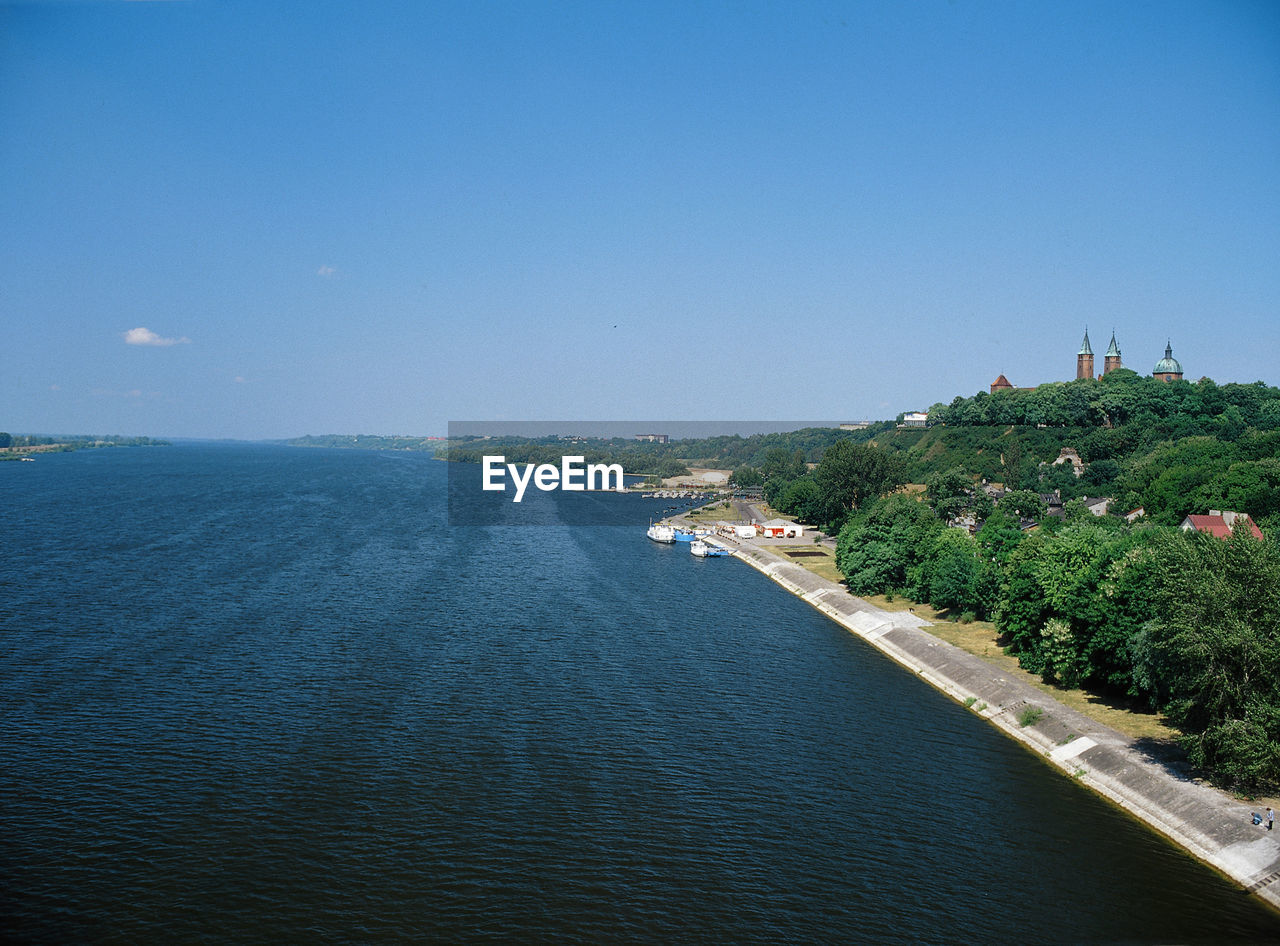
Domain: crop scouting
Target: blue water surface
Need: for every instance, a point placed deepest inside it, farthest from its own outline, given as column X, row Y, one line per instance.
column 261, row 694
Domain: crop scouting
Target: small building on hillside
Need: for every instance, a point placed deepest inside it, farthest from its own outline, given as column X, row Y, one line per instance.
column 1134, row 514
column 1004, row 384
column 653, row 438
column 1097, row 505
column 1220, row 523
column 915, row 419
column 781, row 529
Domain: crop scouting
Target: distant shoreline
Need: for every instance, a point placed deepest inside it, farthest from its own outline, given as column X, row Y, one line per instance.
column 71, row 444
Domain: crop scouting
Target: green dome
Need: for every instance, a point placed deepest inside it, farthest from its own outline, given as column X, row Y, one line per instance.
column 1168, row 364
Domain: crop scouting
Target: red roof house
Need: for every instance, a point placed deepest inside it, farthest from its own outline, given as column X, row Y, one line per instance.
column 1220, row 523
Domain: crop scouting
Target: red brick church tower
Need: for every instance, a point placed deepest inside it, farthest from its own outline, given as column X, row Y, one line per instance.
column 1111, row 361
column 1084, row 359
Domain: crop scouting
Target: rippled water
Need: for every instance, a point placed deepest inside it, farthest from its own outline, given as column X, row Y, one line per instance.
column 255, row 694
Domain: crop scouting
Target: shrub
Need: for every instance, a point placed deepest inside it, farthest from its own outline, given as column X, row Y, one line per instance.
column 1029, row 716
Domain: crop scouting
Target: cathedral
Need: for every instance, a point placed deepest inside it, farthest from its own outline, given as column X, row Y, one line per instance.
column 1166, row 369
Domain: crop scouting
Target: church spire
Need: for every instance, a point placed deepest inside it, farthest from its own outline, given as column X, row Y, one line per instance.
column 1084, row 358
column 1111, row 361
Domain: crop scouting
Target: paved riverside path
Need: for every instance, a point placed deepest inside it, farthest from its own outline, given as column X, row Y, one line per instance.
column 1211, row 824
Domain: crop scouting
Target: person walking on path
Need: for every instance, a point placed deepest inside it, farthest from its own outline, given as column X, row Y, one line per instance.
column 1271, row 819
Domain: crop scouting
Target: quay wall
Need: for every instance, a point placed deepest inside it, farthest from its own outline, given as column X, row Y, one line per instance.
column 1210, row 824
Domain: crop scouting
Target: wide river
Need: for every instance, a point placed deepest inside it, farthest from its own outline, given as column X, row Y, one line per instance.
column 255, row 694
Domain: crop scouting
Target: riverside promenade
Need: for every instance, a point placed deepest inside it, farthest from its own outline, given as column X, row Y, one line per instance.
column 1211, row 824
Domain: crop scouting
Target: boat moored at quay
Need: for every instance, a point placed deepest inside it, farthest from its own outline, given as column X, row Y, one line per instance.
column 662, row 533
column 707, row 550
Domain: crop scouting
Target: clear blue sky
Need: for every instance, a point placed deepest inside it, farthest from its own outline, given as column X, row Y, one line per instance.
column 381, row 217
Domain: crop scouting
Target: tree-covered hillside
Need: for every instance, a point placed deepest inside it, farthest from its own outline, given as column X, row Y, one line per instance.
column 1176, row 408
column 1187, row 623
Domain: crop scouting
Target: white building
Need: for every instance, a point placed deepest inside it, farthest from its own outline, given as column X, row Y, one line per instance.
column 1097, row 505
column 781, row 529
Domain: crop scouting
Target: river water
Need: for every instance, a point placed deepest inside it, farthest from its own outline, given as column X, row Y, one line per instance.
column 260, row 694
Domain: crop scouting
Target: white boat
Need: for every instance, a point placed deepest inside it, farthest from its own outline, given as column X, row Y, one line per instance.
column 706, row 549
column 662, row 533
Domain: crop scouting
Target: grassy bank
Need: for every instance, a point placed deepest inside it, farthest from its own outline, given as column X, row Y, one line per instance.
column 981, row 638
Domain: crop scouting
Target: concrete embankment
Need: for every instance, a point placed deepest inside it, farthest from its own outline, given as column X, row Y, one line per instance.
column 1212, row 825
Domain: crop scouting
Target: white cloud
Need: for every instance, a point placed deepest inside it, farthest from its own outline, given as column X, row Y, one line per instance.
column 240, row 379
column 144, row 336
column 326, row 271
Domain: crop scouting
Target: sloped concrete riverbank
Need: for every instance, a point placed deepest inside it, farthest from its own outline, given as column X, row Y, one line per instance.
column 1212, row 825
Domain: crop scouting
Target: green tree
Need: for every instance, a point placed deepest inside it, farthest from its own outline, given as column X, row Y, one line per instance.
column 850, row 474
column 1216, row 644
column 1099, row 476
column 1063, row 658
column 1126, row 587
column 802, row 499
column 999, row 536
column 1022, row 610
column 782, row 464
column 878, row 548
column 1023, row 502
column 671, row 467
column 949, row 492
column 1011, row 464
column 951, row 571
